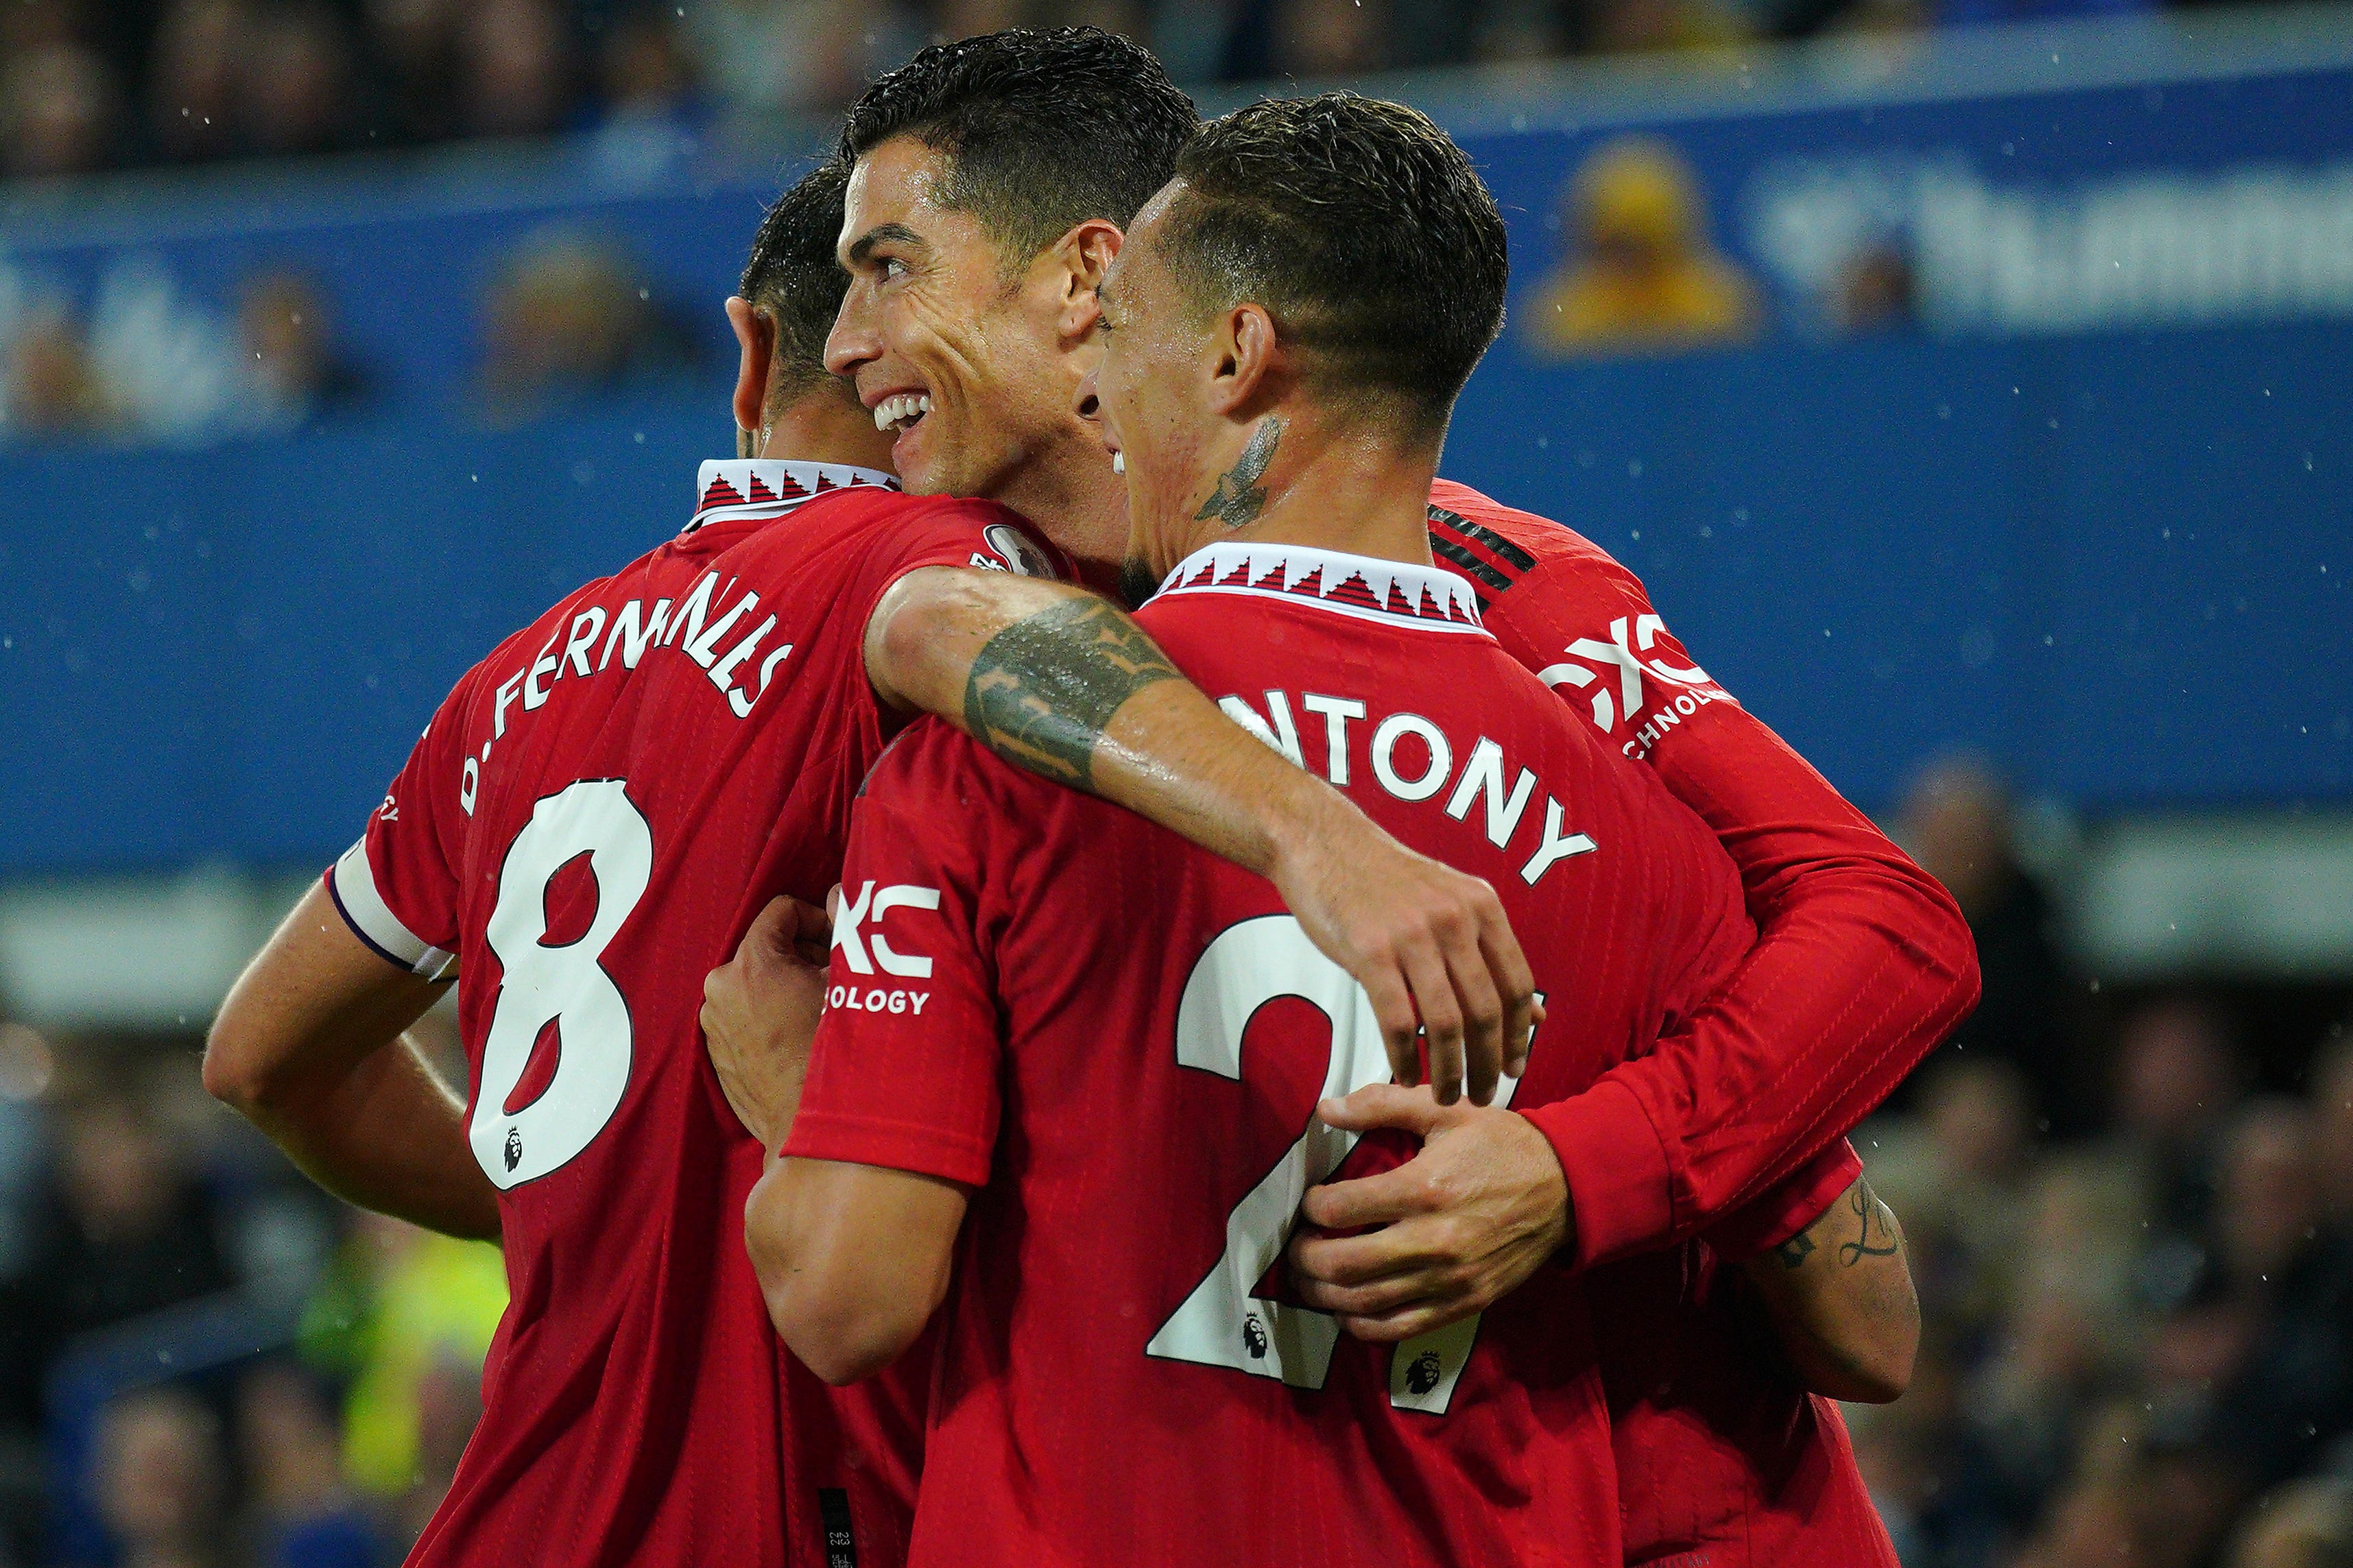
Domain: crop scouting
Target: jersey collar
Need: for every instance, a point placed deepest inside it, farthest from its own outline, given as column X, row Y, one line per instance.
column 770, row 487
column 1358, row 586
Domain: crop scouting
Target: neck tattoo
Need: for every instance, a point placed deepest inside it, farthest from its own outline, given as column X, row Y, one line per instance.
column 1240, row 497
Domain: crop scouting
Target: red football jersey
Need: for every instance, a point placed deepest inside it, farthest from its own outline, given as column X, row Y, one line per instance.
column 1120, row 1041
column 589, row 826
column 1723, row 1461
column 1862, row 961
column 1723, row 1457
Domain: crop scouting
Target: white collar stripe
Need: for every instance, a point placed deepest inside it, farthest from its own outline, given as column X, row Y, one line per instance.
column 1424, row 596
column 770, row 487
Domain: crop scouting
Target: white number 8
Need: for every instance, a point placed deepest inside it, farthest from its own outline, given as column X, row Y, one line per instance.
column 567, row 985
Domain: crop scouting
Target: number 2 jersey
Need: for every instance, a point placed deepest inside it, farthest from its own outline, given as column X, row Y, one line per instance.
column 585, row 830
column 1119, row 1041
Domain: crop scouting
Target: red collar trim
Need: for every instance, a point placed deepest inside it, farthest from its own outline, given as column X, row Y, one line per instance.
column 1360, row 585
column 770, row 487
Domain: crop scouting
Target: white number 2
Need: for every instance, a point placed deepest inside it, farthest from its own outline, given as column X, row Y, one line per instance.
column 566, row 984
column 1221, row 1322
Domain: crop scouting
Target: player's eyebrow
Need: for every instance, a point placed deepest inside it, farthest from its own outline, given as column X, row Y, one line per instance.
column 881, row 234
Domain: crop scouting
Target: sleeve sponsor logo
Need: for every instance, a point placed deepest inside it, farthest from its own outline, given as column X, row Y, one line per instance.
column 1612, row 674
column 858, row 937
column 855, row 942
column 875, row 999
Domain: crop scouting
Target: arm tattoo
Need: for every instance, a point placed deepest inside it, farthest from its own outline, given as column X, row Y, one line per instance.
column 1794, row 1251
column 1238, row 498
column 1041, row 690
column 1866, row 1206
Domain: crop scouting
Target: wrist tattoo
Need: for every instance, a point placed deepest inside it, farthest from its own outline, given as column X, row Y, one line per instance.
column 1867, row 1208
column 1041, row 690
column 1240, row 497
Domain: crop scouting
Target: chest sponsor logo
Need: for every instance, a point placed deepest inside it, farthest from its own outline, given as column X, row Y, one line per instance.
column 1636, row 694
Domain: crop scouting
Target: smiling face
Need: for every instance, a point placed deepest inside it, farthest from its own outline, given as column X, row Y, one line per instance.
column 1151, row 388
column 961, row 359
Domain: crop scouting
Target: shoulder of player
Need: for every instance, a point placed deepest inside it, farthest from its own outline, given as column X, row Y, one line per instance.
column 934, row 775
column 881, row 510
column 1174, row 620
column 1226, row 651
column 887, row 528
column 519, row 648
column 1534, row 540
column 1502, row 549
column 528, row 638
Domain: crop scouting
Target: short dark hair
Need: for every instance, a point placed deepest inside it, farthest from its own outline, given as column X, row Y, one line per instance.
column 1365, row 232
column 793, row 275
column 1042, row 128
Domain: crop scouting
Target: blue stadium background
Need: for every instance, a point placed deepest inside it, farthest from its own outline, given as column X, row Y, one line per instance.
column 2117, row 557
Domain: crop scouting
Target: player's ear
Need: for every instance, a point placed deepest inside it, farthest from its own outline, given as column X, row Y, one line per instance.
column 1244, row 349
column 1082, row 257
column 755, row 334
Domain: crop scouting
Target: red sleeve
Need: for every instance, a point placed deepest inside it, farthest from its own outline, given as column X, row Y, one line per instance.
column 397, row 887
column 1765, row 1222
column 1862, row 963
column 904, row 1070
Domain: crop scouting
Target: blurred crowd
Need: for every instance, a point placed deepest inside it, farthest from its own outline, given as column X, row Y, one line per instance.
column 205, row 1363
column 2132, row 1228
column 564, row 312
column 97, row 84
column 132, row 350
column 143, row 363
column 1639, row 269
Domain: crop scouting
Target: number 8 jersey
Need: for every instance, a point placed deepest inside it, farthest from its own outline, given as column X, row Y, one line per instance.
column 585, row 830
column 1119, row 1042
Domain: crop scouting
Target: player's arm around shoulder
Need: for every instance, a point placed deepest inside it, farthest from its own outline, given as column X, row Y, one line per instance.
column 1861, row 962
column 1842, row 1299
column 1061, row 682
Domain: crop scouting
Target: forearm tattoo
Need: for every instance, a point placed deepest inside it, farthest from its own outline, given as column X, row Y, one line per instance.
column 1043, row 689
column 1240, row 497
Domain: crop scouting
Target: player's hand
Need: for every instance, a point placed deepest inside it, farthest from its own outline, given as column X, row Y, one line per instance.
column 1417, row 933
column 1462, row 1224
column 760, row 1011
